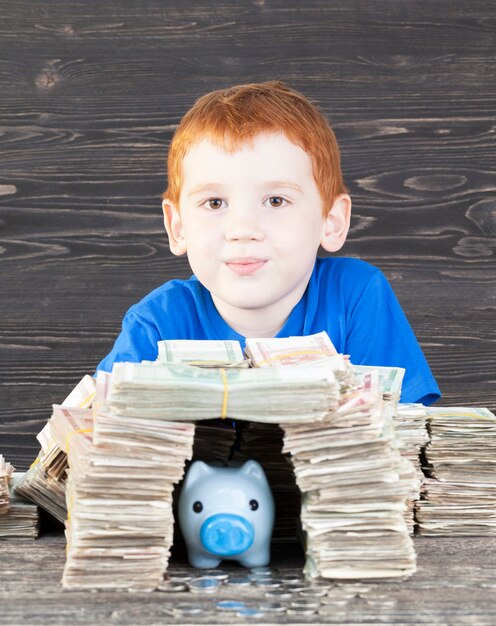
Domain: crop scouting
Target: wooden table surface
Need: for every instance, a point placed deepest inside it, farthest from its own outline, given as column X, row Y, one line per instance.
column 455, row 584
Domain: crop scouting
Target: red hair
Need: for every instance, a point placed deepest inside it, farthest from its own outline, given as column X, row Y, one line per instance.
column 234, row 116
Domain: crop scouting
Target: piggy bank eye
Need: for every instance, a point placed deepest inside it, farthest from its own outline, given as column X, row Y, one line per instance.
column 197, row 507
column 253, row 505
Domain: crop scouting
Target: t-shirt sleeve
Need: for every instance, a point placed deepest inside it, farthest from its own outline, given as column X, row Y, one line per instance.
column 378, row 333
column 136, row 342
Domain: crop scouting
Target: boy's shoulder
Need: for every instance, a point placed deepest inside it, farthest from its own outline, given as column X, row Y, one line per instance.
column 177, row 293
column 344, row 269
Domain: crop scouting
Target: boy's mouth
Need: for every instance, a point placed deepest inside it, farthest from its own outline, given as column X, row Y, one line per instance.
column 245, row 266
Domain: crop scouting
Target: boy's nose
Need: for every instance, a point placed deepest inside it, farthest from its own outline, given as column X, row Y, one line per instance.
column 242, row 224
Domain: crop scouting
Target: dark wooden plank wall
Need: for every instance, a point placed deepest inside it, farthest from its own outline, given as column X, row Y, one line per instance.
column 90, row 93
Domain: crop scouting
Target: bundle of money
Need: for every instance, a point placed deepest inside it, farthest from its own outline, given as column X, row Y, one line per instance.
column 354, row 486
column 460, row 495
column 21, row 520
column 410, row 425
column 206, row 353
column 45, row 481
column 213, row 438
column 6, row 470
column 181, row 392
column 390, row 380
column 119, row 494
column 357, row 505
column 410, row 422
column 281, row 352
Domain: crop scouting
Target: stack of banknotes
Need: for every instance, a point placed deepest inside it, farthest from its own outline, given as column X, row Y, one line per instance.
column 45, row 481
column 355, row 486
column 6, row 470
column 409, row 419
column 460, row 496
column 123, row 469
column 21, row 519
column 409, row 422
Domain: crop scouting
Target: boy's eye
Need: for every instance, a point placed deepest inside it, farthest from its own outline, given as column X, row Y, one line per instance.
column 276, row 201
column 214, row 203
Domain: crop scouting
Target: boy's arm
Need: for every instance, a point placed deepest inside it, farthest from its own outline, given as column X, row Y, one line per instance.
column 136, row 342
column 379, row 334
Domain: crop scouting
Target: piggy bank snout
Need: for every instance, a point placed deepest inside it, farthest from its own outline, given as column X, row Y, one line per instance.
column 226, row 534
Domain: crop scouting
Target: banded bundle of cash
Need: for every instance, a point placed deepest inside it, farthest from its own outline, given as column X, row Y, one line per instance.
column 213, row 438
column 119, row 494
column 45, row 481
column 288, row 351
column 409, row 421
column 390, row 381
column 21, row 520
column 6, row 470
column 170, row 391
column 460, row 496
column 356, row 489
column 354, row 486
column 202, row 353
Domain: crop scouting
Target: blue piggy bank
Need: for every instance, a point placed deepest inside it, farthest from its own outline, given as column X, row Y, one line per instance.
column 226, row 513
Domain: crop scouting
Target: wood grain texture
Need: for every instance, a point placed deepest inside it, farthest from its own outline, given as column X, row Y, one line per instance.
column 454, row 584
column 91, row 94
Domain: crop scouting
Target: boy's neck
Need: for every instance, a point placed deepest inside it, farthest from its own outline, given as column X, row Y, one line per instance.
column 253, row 323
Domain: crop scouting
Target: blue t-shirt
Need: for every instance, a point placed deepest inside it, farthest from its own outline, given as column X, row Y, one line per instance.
column 350, row 299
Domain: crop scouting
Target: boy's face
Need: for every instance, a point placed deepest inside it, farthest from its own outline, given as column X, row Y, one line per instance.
column 251, row 223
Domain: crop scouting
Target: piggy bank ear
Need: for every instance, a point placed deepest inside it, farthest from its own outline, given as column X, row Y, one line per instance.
column 253, row 469
column 197, row 471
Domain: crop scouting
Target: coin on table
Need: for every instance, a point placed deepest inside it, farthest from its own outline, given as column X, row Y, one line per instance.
column 278, row 594
column 268, row 583
column 179, row 578
column 204, row 584
column 294, row 587
column 249, row 612
column 230, row 605
column 261, row 570
column 261, row 576
column 238, row 581
column 300, row 611
column 314, row 592
column 272, row 607
column 187, row 609
column 217, row 573
column 292, row 578
column 172, row 587
column 304, row 604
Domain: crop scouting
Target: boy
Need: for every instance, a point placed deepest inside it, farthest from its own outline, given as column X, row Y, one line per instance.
column 255, row 186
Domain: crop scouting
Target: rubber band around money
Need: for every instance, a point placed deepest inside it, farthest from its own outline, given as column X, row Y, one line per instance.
column 35, row 462
column 73, row 432
column 223, row 413
column 86, row 403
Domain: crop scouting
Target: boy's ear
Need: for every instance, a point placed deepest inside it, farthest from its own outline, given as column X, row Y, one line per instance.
column 174, row 227
column 337, row 224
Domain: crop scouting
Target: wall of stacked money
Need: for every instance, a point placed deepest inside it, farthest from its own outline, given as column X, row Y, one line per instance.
column 90, row 100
